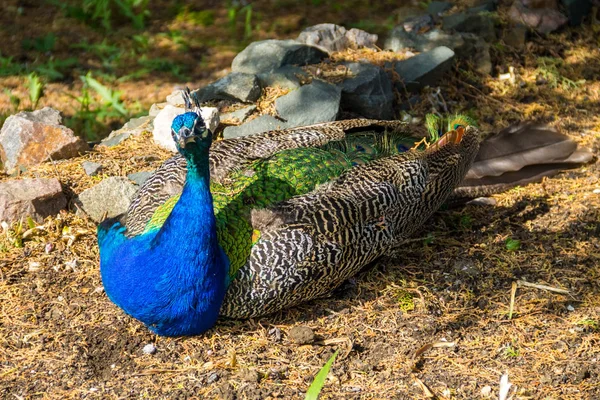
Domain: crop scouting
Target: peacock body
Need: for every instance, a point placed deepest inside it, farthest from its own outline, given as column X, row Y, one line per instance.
column 284, row 217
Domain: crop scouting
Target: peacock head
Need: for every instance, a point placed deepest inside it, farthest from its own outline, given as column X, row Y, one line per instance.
column 190, row 133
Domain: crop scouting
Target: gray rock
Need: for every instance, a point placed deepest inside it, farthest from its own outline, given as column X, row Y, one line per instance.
column 577, row 10
column 140, row 177
column 424, row 69
column 238, row 116
column 212, row 378
column 115, row 138
column 236, row 86
column 37, row 198
column 91, row 168
column 176, row 99
column 30, row 138
column 478, row 51
column 155, row 109
column 515, row 35
column 479, row 24
column 263, row 123
column 331, row 37
column 360, row 39
column 369, row 92
column 267, row 55
column 400, row 40
column 543, row 20
column 328, row 37
column 111, row 196
column 150, row 348
column 302, row 335
column 417, row 23
column 485, row 6
column 133, row 127
column 138, row 124
column 316, row 102
column 287, row 77
column 435, row 8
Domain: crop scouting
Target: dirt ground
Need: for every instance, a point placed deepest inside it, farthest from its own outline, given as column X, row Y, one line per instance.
column 430, row 320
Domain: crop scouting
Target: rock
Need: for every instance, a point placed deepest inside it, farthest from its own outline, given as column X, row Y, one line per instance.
column 480, row 24
column 515, row 35
column 286, row 77
column 150, row 348
column 302, row 335
column 111, row 196
column 36, row 198
column 30, row 138
column 486, row 6
column 331, row 37
column 91, row 168
column 176, row 99
column 162, row 124
column 140, row 177
column 212, row 378
column 327, row 37
column 238, row 116
column 316, row 102
column 544, row 20
column 478, row 51
column 424, row 69
column 236, row 86
column 419, row 23
column 267, row 55
column 155, row 109
column 133, row 127
column 369, row 92
column 577, row 10
column 361, row 39
column 400, row 40
column 436, row 8
column 263, row 123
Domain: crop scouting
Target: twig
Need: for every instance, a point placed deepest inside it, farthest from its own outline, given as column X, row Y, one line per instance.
column 513, row 292
column 543, row 287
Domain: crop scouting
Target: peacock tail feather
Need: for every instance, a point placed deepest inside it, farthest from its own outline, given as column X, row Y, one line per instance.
column 438, row 125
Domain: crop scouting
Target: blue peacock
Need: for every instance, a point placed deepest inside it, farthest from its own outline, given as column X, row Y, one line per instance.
column 249, row 226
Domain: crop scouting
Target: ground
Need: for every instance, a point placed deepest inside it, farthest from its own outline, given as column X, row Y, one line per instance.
column 431, row 317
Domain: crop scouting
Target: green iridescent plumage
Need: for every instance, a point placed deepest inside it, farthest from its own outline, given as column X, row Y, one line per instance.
column 437, row 125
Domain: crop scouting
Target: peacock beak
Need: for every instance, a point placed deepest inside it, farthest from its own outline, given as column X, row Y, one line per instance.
column 185, row 137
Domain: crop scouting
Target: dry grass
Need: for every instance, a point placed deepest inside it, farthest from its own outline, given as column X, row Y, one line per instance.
column 60, row 337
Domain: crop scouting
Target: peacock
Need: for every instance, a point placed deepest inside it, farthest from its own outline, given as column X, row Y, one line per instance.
column 245, row 227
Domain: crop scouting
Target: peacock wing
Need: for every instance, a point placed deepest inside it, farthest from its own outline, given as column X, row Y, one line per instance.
column 160, row 192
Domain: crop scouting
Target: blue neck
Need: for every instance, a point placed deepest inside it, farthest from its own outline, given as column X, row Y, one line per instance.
column 173, row 279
